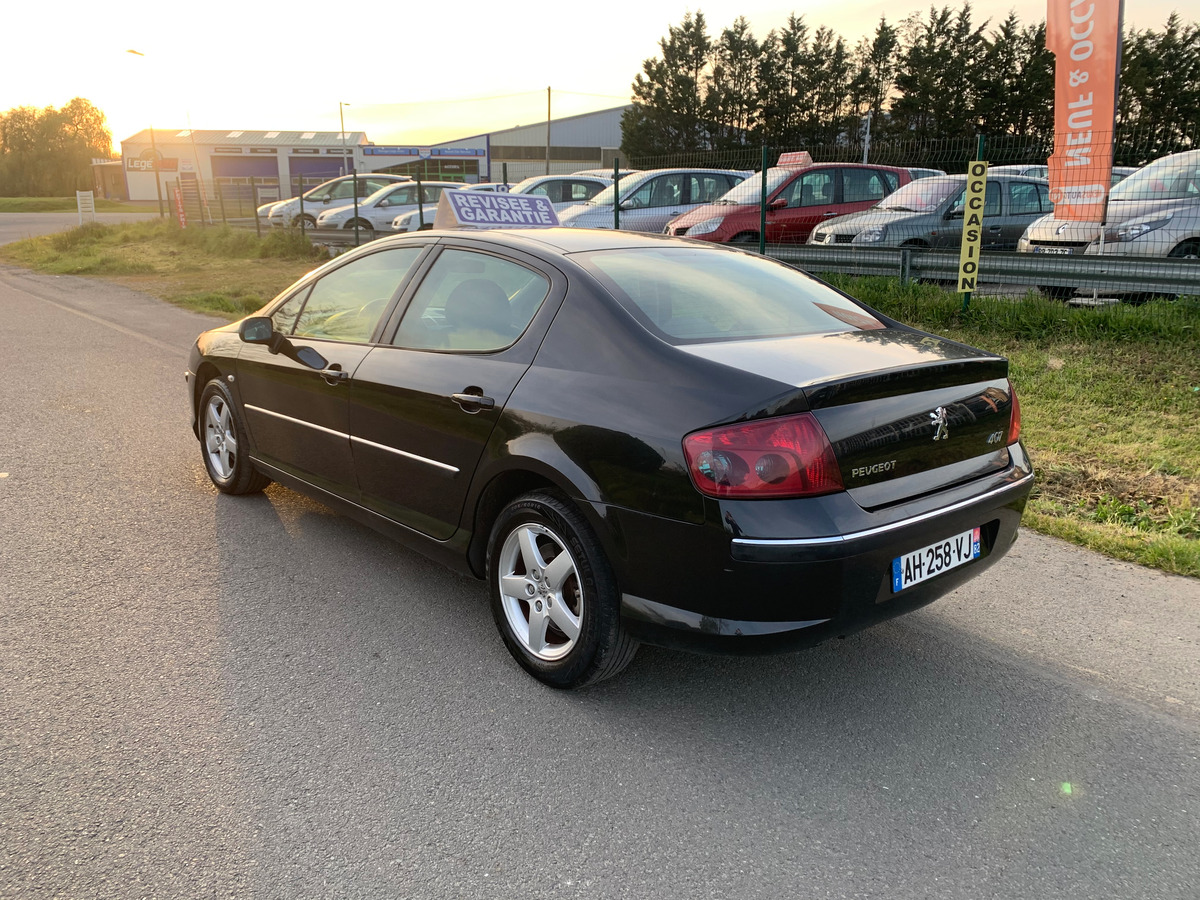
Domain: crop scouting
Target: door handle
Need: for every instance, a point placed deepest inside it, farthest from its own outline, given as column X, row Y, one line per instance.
column 334, row 375
column 994, row 229
column 828, row 214
column 472, row 402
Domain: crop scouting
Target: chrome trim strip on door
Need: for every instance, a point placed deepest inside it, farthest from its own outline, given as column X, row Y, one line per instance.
column 432, row 462
column 268, row 412
column 883, row 529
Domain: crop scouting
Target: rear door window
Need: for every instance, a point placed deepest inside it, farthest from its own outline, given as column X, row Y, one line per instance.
column 471, row 303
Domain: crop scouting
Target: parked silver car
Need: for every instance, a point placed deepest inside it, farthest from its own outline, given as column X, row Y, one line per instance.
column 563, row 190
column 649, row 200
column 928, row 213
column 1155, row 212
column 335, row 192
column 378, row 210
column 1041, row 171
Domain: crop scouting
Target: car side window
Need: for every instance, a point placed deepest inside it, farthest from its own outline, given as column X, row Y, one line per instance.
column 471, row 303
column 550, row 189
column 430, row 193
column 706, row 188
column 284, row 319
column 861, row 185
column 582, row 190
column 343, row 190
column 347, row 303
column 812, row 189
column 991, row 201
column 893, row 180
column 404, row 196
column 1023, row 199
column 1044, row 203
column 665, row 190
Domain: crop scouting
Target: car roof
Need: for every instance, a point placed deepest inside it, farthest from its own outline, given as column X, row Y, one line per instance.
column 552, row 241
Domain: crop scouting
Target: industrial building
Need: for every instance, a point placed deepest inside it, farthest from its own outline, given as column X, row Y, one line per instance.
column 270, row 165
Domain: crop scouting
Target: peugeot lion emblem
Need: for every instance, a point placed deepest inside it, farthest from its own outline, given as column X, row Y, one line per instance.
column 941, row 432
column 1061, row 228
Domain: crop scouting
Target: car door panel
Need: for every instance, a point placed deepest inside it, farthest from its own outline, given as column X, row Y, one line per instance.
column 298, row 417
column 422, row 409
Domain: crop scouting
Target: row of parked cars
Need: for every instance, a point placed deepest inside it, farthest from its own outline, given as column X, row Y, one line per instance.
column 1154, row 211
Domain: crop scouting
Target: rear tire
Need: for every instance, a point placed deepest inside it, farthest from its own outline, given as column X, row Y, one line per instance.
column 223, row 443
column 745, row 237
column 554, row 597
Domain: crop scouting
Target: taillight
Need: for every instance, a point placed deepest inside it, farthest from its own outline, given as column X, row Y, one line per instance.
column 1014, row 426
column 789, row 456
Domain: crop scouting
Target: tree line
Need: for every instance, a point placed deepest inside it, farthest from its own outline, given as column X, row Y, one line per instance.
column 49, row 152
column 939, row 76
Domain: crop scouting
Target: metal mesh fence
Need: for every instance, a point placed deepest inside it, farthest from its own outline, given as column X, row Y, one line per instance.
column 897, row 207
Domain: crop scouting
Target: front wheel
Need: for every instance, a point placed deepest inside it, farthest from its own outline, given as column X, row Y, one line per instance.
column 363, row 225
column 223, row 444
column 554, row 597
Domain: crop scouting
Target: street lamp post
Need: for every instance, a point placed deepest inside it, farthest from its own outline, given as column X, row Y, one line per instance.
column 154, row 153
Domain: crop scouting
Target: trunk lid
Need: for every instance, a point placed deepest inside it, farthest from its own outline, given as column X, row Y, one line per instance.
column 907, row 413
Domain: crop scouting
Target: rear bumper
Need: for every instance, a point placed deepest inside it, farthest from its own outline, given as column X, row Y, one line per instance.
column 770, row 596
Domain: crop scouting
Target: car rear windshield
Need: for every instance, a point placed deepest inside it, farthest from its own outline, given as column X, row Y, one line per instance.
column 691, row 295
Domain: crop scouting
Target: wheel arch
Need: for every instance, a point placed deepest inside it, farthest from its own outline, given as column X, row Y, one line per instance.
column 205, row 373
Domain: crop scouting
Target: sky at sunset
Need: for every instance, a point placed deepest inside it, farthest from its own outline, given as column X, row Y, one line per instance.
column 476, row 67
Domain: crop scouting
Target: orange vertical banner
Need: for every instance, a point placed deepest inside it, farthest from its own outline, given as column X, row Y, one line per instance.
column 1085, row 38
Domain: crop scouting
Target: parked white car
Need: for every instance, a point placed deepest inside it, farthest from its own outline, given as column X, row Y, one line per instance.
column 379, row 209
column 1154, row 212
column 649, row 200
column 562, row 190
column 335, row 192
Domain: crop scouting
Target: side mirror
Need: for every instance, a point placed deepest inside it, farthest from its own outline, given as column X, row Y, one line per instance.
column 777, row 203
column 256, row 330
column 954, row 214
column 261, row 330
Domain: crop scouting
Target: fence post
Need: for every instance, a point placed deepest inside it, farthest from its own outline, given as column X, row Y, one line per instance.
column 504, row 169
column 301, row 202
column 616, row 193
column 220, row 201
column 421, row 204
column 254, row 200
column 762, row 205
column 354, row 178
column 905, row 265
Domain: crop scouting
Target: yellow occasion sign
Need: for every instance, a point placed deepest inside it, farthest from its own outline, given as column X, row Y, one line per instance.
column 972, row 232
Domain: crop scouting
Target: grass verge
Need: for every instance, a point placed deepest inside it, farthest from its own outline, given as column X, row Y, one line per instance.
column 219, row 270
column 1110, row 397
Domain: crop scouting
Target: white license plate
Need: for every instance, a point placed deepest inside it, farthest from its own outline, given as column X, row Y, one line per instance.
column 913, row 568
column 1060, row 251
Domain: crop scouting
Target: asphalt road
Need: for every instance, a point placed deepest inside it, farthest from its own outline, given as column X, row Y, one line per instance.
column 206, row 696
column 16, row 226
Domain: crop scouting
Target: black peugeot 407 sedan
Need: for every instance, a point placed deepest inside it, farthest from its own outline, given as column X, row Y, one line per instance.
column 632, row 438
